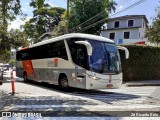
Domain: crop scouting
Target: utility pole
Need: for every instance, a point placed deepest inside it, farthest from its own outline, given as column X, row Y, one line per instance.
column 67, row 25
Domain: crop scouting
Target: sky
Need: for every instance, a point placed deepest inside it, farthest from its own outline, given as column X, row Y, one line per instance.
column 145, row 8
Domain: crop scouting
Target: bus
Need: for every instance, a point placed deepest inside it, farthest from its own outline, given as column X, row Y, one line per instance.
column 72, row 60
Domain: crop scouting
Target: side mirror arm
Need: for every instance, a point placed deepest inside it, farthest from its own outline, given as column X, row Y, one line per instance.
column 126, row 51
column 88, row 46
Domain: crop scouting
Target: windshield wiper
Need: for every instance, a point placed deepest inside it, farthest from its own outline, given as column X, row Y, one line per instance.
column 115, row 68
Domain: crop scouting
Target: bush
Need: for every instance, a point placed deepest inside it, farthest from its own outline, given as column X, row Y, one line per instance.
column 143, row 63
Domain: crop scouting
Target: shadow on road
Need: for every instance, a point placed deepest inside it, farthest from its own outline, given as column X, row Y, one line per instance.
column 104, row 96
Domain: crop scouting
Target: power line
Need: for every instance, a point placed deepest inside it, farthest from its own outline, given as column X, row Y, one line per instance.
column 85, row 28
column 100, row 21
column 131, row 6
column 93, row 19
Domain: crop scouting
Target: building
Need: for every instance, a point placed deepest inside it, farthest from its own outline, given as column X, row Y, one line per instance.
column 129, row 29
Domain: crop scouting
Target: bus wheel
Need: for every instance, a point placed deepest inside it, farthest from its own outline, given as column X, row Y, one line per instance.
column 63, row 83
column 25, row 77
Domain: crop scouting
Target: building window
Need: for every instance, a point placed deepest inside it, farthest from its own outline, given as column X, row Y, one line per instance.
column 126, row 35
column 130, row 23
column 116, row 24
column 112, row 36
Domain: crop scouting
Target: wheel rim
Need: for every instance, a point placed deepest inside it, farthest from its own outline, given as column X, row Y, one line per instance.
column 64, row 83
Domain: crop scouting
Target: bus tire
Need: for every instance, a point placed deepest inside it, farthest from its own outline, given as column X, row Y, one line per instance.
column 63, row 83
column 25, row 79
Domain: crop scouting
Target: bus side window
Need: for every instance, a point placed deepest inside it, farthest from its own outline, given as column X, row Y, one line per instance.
column 50, row 50
column 58, row 49
column 23, row 55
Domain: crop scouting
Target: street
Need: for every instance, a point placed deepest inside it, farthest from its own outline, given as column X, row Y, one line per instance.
column 37, row 97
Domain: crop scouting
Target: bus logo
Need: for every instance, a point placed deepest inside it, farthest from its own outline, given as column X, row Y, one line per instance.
column 53, row 63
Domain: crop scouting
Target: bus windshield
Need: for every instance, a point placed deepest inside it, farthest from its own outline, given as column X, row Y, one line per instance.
column 105, row 58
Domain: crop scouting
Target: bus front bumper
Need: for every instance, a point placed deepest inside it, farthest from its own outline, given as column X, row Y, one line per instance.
column 105, row 84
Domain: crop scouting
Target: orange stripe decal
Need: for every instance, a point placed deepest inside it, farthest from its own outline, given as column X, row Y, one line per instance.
column 28, row 67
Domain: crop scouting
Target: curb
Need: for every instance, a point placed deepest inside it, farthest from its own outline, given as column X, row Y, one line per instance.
column 141, row 84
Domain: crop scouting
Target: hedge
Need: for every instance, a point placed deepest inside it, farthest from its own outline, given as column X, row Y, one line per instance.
column 143, row 63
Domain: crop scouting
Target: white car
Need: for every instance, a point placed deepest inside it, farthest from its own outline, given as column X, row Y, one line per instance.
column 14, row 68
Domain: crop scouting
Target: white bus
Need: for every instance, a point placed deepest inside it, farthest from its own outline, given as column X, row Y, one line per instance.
column 72, row 60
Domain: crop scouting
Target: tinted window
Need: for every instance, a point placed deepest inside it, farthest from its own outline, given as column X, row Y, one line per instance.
column 23, row 55
column 51, row 50
column 78, row 52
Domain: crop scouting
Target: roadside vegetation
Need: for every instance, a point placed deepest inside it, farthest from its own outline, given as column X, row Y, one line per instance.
column 153, row 31
column 143, row 63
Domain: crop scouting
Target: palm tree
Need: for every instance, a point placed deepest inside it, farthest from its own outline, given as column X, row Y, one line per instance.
column 37, row 3
column 111, row 6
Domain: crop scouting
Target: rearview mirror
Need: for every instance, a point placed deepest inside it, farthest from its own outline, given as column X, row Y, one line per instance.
column 88, row 46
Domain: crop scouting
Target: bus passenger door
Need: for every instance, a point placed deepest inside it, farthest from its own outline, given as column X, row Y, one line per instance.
column 80, row 81
column 80, row 67
column 80, row 59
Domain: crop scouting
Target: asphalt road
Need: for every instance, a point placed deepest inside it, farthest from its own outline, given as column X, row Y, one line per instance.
column 38, row 97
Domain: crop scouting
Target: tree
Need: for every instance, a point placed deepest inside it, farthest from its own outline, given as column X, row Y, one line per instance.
column 44, row 20
column 82, row 10
column 9, row 10
column 18, row 38
column 12, row 62
column 60, row 29
column 37, row 3
column 153, row 31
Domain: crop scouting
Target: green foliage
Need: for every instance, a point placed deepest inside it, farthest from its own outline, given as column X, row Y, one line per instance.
column 12, row 62
column 60, row 29
column 5, row 55
column 44, row 20
column 37, row 3
column 153, row 31
column 8, row 11
column 18, row 38
column 143, row 63
column 82, row 10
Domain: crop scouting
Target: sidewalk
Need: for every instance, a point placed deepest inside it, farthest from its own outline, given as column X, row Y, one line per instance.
column 143, row 83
